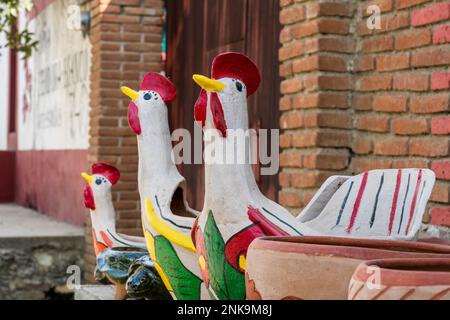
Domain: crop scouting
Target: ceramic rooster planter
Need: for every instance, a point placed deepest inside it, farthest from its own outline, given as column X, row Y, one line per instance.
column 235, row 212
column 382, row 204
column 166, row 217
column 115, row 252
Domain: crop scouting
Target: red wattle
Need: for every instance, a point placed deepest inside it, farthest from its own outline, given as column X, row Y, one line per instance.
column 216, row 110
column 88, row 197
column 133, row 118
column 217, row 113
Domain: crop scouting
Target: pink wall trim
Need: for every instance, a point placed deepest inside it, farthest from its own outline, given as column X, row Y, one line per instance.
column 50, row 182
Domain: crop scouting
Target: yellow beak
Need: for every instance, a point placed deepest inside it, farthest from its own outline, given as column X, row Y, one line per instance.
column 87, row 177
column 208, row 84
column 133, row 95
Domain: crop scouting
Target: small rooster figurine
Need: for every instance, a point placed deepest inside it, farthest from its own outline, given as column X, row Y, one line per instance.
column 97, row 198
column 167, row 219
column 115, row 252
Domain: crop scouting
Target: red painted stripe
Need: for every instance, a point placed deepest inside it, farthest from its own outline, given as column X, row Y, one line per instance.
column 357, row 202
column 38, row 7
column 394, row 200
column 105, row 238
column 268, row 226
column 413, row 205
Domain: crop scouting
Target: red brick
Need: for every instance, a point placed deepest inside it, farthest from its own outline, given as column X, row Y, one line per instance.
column 308, row 179
column 362, row 145
column 384, row 5
column 412, row 39
column 285, row 103
column 291, row 51
column 364, row 63
column 284, row 3
column 391, row 62
column 441, row 35
column 291, row 120
column 386, row 103
column 440, row 216
column 377, row 44
column 429, row 147
column 393, row 21
column 440, row 125
column 373, row 123
column 327, row 159
column 441, row 169
column 334, row 26
column 284, row 179
column 285, row 35
column 391, row 147
column 292, row 159
column 430, row 104
column 291, row 86
column 362, row 102
column 285, row 69
column 289, row 198
column 304, row 29
column 375, row 83
column 327, row 82
column 409, row 163
column 411, row 82
column 333, row 138
column 401, row 4
column 285, row 140
column 441, row 193
column 409, row 126
column 325, row 119
column 322, row 63
column 365, row 164
column 304, row 139
column 316, row 9
column 440, row 80
column 292, row 14
column 430, row 57
column 431, row 14
column 321, row 100
column 328, row 44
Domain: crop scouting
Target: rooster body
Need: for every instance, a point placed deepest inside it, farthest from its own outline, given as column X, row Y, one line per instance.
column 161, row 188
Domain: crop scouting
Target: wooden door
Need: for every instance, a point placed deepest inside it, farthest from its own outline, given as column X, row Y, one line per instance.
column 197, row 30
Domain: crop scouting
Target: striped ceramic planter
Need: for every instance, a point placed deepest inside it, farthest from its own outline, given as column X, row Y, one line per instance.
column 401, row 279
column 319, row 267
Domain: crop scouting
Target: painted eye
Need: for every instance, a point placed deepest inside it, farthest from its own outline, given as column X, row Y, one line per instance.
column 239, row 86
column 98, row 182
column 147, row 96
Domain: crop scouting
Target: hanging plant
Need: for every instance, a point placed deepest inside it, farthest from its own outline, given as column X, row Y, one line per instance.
column 21, row 41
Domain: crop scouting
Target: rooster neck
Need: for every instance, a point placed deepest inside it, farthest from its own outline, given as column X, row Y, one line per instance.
column 232, row 183
column 103, row 217
column 158, row 175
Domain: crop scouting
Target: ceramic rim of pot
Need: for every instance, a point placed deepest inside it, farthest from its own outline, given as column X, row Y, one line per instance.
column 346, row 247
column 407, row 271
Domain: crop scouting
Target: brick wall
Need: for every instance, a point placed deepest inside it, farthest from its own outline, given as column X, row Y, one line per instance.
column 126, row 43
column 355, row 99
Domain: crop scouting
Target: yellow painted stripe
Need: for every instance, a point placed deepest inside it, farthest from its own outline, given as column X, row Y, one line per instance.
column 165, row 230
column 242, row 262
column 151, row 249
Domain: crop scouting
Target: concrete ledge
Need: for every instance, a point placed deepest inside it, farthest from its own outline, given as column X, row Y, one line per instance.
column 94, row 292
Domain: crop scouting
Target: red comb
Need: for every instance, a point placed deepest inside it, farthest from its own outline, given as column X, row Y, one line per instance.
column 108, row 171
column 237, row 66
column 162, row 85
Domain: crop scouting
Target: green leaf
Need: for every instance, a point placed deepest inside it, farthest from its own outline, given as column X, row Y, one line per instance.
column 185, row 284
column 227, row 282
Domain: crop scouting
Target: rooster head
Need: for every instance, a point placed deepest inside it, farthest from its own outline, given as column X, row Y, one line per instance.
column 155, row 91
column 99, row 183
column 234, row 78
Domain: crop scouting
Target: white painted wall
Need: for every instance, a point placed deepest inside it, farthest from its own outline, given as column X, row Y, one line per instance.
column 4, row 88
column 54, row 83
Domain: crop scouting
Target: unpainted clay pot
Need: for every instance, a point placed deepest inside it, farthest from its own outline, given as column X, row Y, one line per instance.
column 401, row 279
column 319, row 267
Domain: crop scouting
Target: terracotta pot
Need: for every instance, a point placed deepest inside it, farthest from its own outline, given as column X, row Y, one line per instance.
column 401, row 279
column 319, row 267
